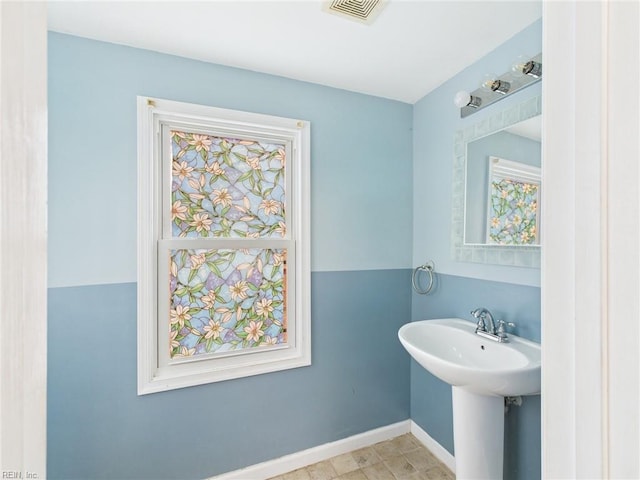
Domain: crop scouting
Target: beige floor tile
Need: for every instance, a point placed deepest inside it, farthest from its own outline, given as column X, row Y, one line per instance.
column 344, row 463
column 399, row 466
column 406, row 443
column 439, row 473
column 386, row 449
column 422, row 459
column 300, row 474
column 421, row 475
column 401, row 458
column 365, row 457
column 322, row 471
column 379, row 471
column 354, row 475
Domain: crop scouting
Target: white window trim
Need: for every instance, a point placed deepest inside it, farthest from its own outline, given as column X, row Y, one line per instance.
column 502, row 169
column 153, row 375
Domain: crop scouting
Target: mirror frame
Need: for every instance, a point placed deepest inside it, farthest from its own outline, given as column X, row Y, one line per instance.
column 518, row 256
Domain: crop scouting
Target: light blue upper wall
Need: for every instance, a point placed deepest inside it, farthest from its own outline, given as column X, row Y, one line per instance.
column 435, row 120
column 361, row 154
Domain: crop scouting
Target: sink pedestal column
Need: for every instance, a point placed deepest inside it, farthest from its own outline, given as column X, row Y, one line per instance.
column 478, row 435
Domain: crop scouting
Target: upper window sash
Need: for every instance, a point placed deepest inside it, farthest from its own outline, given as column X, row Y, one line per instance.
column 216, row 159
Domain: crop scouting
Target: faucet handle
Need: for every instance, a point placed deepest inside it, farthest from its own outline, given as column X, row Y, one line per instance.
column 480, row 326
column 502, row 328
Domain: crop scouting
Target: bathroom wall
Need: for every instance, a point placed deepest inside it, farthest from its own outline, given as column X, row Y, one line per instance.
column 435, row 120
column 511, row 293
column 361, row 156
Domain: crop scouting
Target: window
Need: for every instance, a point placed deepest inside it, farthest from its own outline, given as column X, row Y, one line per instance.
column 223, row 244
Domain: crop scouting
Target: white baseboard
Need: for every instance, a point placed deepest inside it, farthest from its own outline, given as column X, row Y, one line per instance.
column 288, row 463
column 434, row 447
column 279, row 466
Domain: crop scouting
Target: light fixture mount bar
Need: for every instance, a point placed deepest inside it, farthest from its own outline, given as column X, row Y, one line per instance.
column 531, row 73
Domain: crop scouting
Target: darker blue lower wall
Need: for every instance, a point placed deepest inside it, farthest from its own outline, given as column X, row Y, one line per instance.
column 98, row 428
column 431, row 405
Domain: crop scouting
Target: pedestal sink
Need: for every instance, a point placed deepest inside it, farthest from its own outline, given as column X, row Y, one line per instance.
column 481, row 373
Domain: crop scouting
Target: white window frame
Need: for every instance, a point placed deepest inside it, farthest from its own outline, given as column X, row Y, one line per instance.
column 155, row 372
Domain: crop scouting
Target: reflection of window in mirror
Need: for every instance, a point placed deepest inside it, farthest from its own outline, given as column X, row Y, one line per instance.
column 513, row 213
column 519, row 143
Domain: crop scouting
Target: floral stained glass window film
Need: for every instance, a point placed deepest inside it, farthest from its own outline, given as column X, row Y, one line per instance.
column 226, row 187
column 226, row 300
column 224, row 244
column 513, row 212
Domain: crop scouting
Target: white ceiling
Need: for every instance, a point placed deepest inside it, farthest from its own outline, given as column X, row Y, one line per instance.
column 411, row 48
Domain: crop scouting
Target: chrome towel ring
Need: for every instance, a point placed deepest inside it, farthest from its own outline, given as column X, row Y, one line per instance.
column 427, row 267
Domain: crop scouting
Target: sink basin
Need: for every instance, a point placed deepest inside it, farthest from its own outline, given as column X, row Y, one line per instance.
column 450, row 349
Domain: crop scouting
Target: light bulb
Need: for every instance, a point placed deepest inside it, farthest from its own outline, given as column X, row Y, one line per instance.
column 465, row 99
column 518, row 66
column 487, row 81
column 462, row 99
column 492, row 83
column 525, row 66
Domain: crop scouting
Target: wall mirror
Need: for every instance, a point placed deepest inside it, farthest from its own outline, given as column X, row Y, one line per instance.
column 496, row 214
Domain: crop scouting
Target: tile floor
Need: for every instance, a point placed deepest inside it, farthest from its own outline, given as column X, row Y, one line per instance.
column 401, row 458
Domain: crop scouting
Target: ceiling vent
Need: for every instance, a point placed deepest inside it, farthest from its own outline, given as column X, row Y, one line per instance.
column 363, row 11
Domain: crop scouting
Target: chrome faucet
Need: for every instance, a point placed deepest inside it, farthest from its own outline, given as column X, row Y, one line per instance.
column 486, row 326
column 483, row 315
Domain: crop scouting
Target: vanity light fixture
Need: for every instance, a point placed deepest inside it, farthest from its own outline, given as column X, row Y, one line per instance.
column 524, row 71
